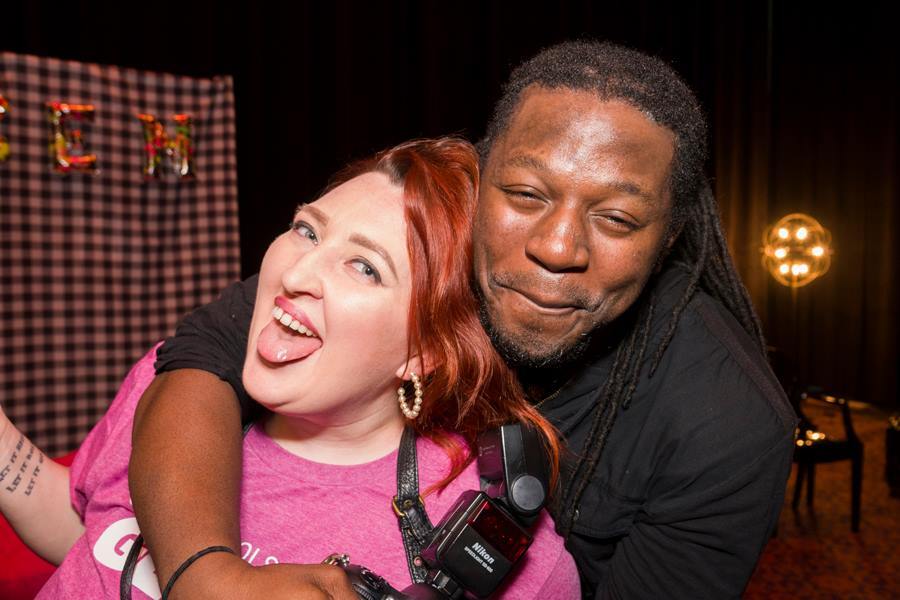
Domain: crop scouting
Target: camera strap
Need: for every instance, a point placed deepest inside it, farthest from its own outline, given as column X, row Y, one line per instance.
column 415, row 527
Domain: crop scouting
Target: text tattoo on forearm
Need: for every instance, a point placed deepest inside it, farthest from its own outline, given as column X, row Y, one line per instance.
column 18, row 465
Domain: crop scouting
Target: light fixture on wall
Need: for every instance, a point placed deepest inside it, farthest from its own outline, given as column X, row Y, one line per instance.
column 796, row 250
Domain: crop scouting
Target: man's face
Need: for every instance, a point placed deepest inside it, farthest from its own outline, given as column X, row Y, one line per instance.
column 572, row 215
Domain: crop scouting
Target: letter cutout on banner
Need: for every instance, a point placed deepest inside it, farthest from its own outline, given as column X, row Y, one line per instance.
column 4, row 143
column 67, row 143
column 158, row 145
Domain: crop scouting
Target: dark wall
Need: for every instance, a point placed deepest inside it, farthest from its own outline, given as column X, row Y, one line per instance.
column 802, row 100
column 805, row 119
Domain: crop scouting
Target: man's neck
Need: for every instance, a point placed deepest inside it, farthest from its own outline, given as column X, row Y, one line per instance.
column 541, row 384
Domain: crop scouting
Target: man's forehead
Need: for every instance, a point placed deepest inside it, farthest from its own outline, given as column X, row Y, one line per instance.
column 564, row 115
column 566, row 130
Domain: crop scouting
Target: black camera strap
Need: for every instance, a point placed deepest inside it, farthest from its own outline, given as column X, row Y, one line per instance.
column 415, row 527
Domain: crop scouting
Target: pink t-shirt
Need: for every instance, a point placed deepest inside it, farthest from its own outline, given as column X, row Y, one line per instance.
column 292, row 510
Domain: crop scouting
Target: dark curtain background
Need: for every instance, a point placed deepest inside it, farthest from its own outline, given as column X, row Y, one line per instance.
column 802, row 100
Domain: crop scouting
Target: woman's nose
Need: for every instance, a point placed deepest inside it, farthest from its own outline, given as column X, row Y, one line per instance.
column 303, row 275
column 558, row 241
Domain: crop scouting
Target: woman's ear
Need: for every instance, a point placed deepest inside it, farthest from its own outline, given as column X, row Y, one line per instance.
column 416, row 364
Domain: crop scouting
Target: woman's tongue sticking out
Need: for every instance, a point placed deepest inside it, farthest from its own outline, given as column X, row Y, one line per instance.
column 280, row 343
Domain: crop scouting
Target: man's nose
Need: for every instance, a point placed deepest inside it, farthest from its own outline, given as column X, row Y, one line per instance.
column 303, row 275
column 558, row 241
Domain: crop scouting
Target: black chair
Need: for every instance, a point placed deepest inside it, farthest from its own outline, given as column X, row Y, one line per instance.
column 813, row 447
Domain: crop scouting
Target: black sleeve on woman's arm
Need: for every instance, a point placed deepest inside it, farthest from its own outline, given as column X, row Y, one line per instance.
column 213, row 338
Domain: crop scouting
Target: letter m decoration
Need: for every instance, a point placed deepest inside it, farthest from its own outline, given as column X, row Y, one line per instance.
column 158, row 146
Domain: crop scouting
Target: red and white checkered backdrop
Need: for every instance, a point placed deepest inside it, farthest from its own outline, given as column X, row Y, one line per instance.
column 95, row 268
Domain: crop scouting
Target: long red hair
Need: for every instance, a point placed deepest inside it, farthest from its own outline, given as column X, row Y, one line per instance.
column 470, row 388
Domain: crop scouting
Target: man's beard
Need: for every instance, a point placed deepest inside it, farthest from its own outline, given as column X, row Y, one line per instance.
column 519, row 353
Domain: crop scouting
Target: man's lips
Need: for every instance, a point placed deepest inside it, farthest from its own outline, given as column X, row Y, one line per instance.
column 550, row 306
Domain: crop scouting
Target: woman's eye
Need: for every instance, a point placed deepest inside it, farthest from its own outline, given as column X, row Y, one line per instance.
column 366, row 270
column 304, row 230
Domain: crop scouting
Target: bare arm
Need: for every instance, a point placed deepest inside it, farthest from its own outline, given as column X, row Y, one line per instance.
column 34, row 495
column 185, row 482
column 185, row 469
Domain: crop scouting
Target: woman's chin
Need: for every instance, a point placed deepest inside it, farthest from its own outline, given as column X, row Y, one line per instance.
column 273, row 400
column 271, row 384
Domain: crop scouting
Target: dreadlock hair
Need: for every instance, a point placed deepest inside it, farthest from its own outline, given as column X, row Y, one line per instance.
column 613, row 72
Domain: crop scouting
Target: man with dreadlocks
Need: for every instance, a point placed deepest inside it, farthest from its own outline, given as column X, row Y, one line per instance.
column 604, row 278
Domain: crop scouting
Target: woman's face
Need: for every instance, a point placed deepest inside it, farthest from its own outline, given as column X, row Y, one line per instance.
column 329, row 333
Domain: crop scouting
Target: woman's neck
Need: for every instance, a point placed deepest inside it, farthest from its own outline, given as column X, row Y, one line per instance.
column 347, row 441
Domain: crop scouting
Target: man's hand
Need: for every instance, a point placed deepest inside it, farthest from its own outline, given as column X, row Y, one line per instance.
column 227, row 577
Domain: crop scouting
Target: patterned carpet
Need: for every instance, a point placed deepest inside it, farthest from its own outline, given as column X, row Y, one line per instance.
column 814, row 554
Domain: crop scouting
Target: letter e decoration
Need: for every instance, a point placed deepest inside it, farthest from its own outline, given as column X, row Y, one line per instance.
column 67, row 138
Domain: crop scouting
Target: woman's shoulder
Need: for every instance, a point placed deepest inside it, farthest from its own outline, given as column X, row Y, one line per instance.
column 102, row 458
column 120, row 414
column 434, row 465
column 434, row 459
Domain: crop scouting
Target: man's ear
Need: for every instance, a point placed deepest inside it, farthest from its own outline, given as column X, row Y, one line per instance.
column 416, row 364
column 673, row 237
column 667, row 247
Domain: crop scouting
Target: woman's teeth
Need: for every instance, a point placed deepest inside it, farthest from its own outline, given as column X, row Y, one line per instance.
column 289, row 321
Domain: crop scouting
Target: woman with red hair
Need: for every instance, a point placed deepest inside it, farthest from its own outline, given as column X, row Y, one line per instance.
column 364, row 326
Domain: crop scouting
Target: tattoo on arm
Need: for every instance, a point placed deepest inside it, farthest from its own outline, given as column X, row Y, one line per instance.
column 17, row 468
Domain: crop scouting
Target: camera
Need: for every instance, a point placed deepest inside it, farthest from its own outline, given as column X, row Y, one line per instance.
column 484, row 534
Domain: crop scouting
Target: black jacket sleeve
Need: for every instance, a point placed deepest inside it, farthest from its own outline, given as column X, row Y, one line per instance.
column 213, row 338
column 691, row 481
column 705, row 542
column 717, row 471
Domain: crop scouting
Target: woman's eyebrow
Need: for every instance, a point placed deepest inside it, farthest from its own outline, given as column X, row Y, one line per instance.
column 365, row 242
column 317, row 213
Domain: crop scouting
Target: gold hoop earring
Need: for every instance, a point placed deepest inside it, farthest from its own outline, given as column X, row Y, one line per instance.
column 411, row 413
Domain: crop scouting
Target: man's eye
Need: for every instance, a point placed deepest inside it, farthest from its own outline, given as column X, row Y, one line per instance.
column 524, row 199
column 617, row 223
column 522, row 194
column 304, row 230
column 366, row 270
